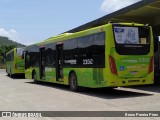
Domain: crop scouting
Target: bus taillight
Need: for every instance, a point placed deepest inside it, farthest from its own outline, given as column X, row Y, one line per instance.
column 151, row 65
column 112, row 65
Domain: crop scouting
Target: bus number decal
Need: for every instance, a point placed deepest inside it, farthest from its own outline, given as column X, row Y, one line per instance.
column 144, row 60
column 87, row 61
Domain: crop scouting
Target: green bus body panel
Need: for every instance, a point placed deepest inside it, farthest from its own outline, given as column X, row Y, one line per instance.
column 131, row 64
column 135, row 70
column 16, row 66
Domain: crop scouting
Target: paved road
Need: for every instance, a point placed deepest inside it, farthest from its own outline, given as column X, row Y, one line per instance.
column 21, row 94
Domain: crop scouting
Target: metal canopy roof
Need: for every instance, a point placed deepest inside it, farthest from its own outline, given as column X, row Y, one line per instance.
column 145, row 12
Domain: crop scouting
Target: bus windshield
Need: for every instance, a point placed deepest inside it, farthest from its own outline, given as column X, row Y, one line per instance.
column 132, row 40
column 20, row 51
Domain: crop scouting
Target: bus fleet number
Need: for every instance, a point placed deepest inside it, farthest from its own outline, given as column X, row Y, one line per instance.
column 88, row 62
column 146, row 60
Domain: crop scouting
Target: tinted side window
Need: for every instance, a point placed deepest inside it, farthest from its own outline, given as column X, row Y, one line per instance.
column 85, row 50
column 10, row 57
column 50, row 55
column 99, row 50
column 34, row 59
column 27, row 60
column 32, row 56
column 99, row 42
column 70, row 52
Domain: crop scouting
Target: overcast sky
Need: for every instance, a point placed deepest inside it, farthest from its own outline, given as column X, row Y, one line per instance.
column 31, row 21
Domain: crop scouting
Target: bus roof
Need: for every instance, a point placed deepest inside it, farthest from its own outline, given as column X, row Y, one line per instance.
column 58, row 36
column 92, row 30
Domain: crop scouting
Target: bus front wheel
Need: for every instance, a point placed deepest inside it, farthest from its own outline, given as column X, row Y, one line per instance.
column 7, row 72
column 73, row 82
column 35, row 77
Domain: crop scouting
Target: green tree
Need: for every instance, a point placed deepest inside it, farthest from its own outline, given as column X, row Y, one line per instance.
column 3, row 50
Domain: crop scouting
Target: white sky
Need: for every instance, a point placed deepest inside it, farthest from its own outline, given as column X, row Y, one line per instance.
column 110, row 6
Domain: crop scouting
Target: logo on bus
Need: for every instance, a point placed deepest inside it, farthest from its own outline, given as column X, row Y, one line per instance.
column 122, row 68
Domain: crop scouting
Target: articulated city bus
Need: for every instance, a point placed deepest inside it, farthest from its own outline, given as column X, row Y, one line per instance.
column 112, row 55
column 15, row 62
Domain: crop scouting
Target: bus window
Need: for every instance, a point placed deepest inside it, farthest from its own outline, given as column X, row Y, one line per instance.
column 49, row 57
column 70, row 52
column 85, row 50
column 99, row 50
column 132, row 40
column 20, row 51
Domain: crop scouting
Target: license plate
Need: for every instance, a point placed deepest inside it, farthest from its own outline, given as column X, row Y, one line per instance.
column 133, row 81
column 134, row 72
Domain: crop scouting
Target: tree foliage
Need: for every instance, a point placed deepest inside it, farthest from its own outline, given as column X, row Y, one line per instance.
column 6, row 41
column 3, row 50
column 5, row 46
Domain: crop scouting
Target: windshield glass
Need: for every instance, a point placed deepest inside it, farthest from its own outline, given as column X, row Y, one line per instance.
column 129, row 35
column 132, row 40
column 20, row 51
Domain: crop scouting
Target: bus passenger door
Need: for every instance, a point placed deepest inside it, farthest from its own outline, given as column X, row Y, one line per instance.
column 42, row 63
column 59, row 62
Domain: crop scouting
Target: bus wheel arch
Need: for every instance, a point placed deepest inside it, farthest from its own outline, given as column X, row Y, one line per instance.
column 72, row 71
column 73, row 83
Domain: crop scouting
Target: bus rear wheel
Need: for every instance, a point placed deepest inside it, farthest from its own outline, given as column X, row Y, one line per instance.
column 11, row 75
column 73, row 82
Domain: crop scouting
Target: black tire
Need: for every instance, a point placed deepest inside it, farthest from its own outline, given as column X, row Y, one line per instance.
column 7, row 72
column 110, row 88
column 73, row 82
column 11, row 75
column 35, row 78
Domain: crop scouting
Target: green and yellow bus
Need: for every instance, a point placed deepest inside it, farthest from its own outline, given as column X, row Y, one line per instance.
column 15, row 62
column 112, row 55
